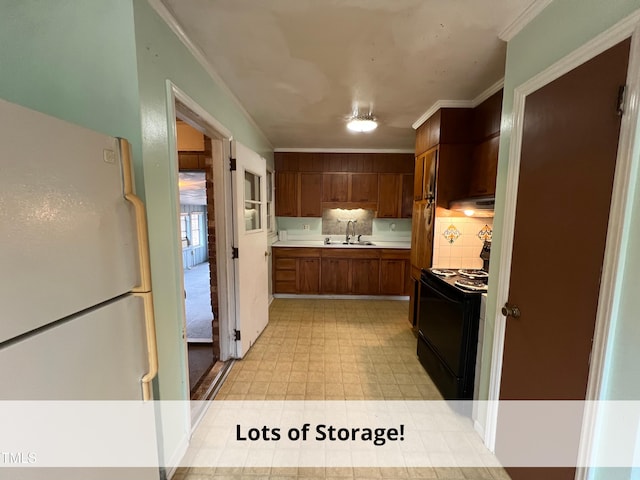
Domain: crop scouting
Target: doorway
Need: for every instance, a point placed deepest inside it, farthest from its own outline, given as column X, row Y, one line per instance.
column 198, row 254
column 202, row 150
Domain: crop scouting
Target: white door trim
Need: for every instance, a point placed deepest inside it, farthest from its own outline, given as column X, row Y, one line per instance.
column 616, row 235
column 223, row 207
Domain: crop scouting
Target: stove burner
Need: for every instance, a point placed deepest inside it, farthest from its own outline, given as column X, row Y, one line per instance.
column 444, row 272
column 474, row 285
column 473, row 274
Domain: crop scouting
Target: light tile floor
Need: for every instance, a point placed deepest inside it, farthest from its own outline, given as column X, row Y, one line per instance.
column 333, row 350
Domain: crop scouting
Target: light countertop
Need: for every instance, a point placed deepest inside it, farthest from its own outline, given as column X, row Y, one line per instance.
column 338, row 244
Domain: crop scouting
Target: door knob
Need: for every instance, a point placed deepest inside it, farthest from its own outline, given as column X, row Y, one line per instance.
column 510, row 311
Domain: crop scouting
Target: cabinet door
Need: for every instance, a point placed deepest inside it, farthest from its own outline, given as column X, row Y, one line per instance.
column 365, row 276
column 308, row 278
column 335, row 187
column 392, row 277
column 335, row 275
column 407, row 196
column 484, row 168
column 418, row 178
column 310, row 194
column 390, row 195
column 364, row 187
column 421, row 237
column 286, row 194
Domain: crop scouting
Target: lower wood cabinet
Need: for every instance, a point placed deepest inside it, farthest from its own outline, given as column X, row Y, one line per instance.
column 335, row 276
column 365, row 276
column 341, row 271
column 308, row 275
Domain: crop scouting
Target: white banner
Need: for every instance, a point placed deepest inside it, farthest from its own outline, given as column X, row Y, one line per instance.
column 322, row 434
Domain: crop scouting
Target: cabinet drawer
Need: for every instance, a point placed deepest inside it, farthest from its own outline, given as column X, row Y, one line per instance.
column 284, row 287
column 285, row 264
column 396, row 253
column 286, row 276
column 353, row 252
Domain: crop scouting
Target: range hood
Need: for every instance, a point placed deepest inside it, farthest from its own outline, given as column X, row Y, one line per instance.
column 474, row 206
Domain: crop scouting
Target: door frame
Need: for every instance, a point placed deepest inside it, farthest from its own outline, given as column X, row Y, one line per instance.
column 621, row 202
column 198, row 116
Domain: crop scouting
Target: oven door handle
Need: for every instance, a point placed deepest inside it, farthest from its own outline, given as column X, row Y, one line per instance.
column 440, row 294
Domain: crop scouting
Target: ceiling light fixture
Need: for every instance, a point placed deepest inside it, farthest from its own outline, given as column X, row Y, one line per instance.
column 362, row 123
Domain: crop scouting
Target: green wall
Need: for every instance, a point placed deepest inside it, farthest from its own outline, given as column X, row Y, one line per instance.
column 103, row 64
column 161, row 57
column 561, row 28
column 73, row 60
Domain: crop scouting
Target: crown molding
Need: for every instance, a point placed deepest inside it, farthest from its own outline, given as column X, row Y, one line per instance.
column 344, row 150
column 495, row 88
column 523, row 19
column 459, row 103
column 441, row 104
column 167, row 16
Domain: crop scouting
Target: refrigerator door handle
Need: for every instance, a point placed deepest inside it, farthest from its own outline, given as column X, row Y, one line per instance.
column 144, row 289
column 141, row 218
column 152, row 348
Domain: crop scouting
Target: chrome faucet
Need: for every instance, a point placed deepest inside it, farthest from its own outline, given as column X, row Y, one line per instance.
column 353, row 228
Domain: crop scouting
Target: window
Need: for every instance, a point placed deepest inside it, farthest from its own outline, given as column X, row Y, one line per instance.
column 270, row 222
column 184, row 222
column 191, row 229
column 195, row 229
column 252, row 202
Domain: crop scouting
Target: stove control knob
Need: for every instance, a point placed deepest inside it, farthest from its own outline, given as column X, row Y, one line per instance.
column 510, row 311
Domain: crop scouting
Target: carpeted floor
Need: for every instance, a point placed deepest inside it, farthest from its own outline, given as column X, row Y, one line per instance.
column 200, row 361
column 198, row 302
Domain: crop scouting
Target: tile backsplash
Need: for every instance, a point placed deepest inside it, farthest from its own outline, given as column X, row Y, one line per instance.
column 458, row 241
column 381, row 229
column 334, row 221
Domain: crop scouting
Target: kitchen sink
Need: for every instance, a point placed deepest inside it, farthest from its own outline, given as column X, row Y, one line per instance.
column 359, row 244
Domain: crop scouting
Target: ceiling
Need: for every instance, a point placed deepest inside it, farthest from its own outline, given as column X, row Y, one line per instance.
column 192, row 188
column 300, row 67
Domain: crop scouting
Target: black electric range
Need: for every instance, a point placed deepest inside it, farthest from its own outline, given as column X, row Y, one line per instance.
column 448, row 318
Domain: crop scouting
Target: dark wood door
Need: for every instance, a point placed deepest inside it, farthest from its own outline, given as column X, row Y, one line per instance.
column 365, row 276
column 308, row 277
column 389, row 195
column 569, row 147
column 310, row 195
column 286, row 194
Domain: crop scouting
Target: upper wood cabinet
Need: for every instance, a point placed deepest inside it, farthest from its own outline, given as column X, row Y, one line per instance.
column 298, row 194
column 395, row 195
column 447, row 125
column 310, row 194
column 286, row 190
column 364, row 187
column 389, row 195
column 484, row 167
column 343, row 180
column 335, row 187
column 406, row 207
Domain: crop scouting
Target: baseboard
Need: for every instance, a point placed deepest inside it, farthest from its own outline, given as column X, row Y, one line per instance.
column 478, row 428
column 176, row 458
column 199, row 340
column 341, row 297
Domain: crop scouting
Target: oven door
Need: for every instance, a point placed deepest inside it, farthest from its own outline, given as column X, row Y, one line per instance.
column 442, row 324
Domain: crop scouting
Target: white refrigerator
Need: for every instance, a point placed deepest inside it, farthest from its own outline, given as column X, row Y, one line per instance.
column 76, row 312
